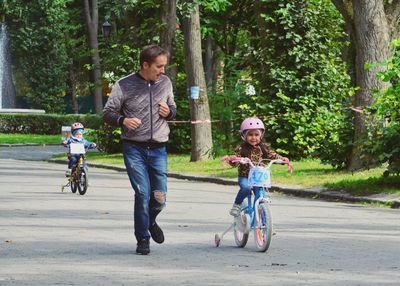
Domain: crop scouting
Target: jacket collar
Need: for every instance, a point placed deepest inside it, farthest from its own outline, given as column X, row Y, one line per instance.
column 148, row 81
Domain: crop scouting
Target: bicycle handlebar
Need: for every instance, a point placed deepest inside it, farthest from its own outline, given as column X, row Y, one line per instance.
column 245, row 160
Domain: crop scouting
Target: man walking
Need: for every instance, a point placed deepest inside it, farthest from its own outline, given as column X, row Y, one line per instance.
column 141, row 104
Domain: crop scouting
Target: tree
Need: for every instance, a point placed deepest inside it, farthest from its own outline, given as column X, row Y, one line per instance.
column 301, row 82
column 168, row 19
column 199, row 108
column 39, row 55
column 92, row 23
column 371, row 26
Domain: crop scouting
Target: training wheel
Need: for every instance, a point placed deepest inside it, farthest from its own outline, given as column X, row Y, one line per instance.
column 217, row 240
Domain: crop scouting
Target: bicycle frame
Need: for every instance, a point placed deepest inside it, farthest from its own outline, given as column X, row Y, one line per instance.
column 259, row 193
column 250, row 219
column 78, row 179
column 259, row 188
column 79, row 164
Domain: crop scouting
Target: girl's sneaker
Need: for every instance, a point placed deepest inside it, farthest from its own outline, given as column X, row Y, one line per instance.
column 235, row 210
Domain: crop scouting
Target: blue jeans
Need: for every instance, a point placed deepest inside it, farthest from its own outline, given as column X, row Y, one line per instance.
column 147, row 171
column 73, row 160
column 245, row 190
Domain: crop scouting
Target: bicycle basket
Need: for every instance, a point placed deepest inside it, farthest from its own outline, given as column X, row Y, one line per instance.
column 259, row 177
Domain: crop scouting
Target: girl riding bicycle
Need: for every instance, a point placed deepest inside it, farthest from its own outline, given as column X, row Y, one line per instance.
column 252, row 131
column 76, row 137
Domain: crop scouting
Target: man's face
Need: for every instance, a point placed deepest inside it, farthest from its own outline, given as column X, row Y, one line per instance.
column 155, row 70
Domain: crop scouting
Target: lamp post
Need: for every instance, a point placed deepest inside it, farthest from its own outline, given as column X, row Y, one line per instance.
column 106, row 29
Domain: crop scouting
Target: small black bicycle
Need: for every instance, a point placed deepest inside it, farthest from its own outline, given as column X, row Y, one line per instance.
column 78, row 180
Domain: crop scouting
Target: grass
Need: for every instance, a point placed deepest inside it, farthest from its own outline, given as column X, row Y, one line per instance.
column 307, row 173
column 29, row 138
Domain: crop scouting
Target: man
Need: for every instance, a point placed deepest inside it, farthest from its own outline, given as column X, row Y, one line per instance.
column 141, row 104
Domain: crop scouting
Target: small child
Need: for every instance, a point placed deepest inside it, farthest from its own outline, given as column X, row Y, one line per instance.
column 254, row 148
column 77, row 130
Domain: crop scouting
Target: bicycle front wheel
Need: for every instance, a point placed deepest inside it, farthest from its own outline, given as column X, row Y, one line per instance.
column 263, row 228
column 73, row 181
column 82, row 182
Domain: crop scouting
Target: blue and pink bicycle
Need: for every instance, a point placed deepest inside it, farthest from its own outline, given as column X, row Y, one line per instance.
column 255, row 212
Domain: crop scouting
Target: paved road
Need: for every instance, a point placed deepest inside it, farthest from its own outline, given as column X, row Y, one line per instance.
column 53, row 238
column 30, row 153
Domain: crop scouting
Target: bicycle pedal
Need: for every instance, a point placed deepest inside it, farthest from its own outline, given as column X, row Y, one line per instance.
column 266, row 200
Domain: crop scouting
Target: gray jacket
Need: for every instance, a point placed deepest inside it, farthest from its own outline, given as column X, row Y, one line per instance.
column 133, row 96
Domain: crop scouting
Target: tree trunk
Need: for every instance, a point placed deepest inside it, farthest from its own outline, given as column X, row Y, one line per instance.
column 209, row 62
column 92, row 23
column 72, row 86
column 372, row 42
column 371, row 25
column 167, row 37
column 199, row 108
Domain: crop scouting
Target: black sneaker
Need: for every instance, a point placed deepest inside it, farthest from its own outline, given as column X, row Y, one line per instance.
column 143, row 246
column 156, row 233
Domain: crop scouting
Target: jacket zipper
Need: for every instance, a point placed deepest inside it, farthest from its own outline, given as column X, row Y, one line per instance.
column 151, row 114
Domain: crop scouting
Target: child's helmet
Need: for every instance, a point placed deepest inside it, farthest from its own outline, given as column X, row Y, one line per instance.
column 251, row 123
column 75, row 126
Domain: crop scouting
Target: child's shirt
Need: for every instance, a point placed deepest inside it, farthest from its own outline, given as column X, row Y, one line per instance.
column 258, row 152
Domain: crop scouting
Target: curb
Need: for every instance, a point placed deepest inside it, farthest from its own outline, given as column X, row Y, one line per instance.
column 314, row 193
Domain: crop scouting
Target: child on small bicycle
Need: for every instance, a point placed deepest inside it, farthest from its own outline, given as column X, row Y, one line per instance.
column 254, row 148
column 76, row 137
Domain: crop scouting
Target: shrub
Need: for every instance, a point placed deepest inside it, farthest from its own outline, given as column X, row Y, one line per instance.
column 46, row 124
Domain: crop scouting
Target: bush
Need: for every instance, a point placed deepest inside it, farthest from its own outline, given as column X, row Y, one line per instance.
column 384, row 128
column 108, row 139
column 45, row 124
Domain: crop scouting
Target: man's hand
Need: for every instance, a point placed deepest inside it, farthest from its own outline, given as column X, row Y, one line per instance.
column 132, row 123
column 164, row 109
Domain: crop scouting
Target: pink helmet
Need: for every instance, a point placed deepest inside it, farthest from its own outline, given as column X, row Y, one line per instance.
column 76, row 126
column 252, row 123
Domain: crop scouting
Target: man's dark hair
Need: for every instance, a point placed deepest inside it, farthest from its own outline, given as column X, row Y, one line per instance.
column 150, row 53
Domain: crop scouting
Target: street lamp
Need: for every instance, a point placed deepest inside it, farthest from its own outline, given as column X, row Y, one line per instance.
column 106, row 29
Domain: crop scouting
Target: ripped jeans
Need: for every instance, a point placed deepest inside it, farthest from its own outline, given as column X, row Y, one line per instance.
column 147, row 171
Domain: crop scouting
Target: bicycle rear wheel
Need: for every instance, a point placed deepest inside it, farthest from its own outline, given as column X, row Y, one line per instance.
column 241, row 229
column 82, row 182
column 263, row 228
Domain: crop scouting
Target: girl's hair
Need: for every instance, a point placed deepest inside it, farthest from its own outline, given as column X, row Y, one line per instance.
column 246, row 149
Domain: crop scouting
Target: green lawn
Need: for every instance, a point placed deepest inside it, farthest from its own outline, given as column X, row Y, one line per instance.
column 29, row 138
column 307, row 173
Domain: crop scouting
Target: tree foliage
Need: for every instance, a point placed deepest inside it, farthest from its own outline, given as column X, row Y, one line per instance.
column 39, row 51
column 290, row 54
column 280, row 60
column 384, row 134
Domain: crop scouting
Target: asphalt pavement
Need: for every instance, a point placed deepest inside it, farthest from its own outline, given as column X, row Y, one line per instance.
column 49, row 237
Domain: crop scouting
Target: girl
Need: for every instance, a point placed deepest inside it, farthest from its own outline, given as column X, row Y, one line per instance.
column 254, row 148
